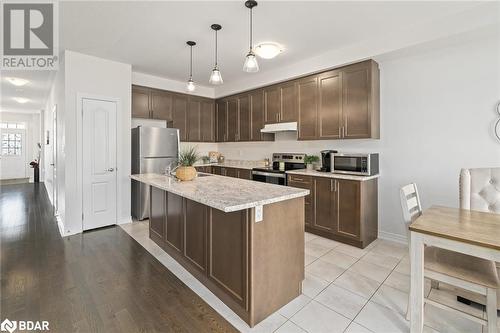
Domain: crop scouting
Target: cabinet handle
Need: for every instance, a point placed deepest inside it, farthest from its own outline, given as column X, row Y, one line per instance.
column 343, row 131
column 340, row 131
column 331, row 185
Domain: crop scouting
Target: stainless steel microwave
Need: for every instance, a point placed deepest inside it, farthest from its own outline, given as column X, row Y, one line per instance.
column 355, row 164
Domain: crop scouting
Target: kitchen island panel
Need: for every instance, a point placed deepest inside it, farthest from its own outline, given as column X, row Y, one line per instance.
column 175, row 223
column 228, row 253
column 253, row 267
column 195, row 234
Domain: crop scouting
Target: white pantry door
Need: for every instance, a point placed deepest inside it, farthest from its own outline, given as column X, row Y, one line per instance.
column 12, row 154
column 99, row 163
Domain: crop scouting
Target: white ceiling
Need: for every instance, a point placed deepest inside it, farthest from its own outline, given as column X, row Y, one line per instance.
column 151, row 35
column 36, row 90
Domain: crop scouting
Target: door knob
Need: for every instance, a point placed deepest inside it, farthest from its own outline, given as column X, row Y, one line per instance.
column 110, row 170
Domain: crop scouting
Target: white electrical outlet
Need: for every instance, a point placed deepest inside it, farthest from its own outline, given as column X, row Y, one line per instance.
column 259, row 213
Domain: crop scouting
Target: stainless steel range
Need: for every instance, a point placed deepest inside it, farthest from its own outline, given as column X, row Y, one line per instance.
column 276, row 174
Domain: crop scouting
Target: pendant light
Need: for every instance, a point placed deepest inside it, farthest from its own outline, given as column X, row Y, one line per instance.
column 251, row 65
column 190, row 84
column 216, row 77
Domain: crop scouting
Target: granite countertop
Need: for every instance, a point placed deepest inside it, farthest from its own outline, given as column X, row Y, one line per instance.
column 240, row 164
column 224, row 193
column 315, row 173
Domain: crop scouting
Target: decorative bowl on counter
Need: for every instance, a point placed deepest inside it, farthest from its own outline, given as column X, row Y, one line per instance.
column 185, row 173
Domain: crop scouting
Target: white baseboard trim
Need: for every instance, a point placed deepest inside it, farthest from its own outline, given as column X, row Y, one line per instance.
column 60, row 225
column 392, row 237
column 125, row 220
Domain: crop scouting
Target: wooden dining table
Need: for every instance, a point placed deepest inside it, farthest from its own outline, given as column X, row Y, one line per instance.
column 467, row 231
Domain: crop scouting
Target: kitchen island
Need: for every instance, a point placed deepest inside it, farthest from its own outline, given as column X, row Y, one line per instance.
column 243, row 240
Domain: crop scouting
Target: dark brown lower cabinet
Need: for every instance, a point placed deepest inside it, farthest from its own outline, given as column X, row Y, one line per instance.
column 254, row 268
column 245, row 174
column 175, row 215
column 157, row 214
column 228, row 234
column 195, row 234
column 305, row 182
column 325, row 204
column 340, row 209
column 230, row 172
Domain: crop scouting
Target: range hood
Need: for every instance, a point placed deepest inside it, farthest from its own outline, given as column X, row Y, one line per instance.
column 280, row 127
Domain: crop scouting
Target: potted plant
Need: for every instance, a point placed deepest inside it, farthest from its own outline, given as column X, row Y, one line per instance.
column 187, row 158
column 309, row 160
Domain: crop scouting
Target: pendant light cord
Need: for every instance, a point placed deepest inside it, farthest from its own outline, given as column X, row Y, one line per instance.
column 191, row 62
column 251, row 29
column 215, row 48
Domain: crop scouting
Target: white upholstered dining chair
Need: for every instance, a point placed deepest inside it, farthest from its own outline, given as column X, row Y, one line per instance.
column 480, row 190
column 473, row 274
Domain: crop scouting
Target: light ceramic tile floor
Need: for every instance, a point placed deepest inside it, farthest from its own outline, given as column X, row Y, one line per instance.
column 346, row 289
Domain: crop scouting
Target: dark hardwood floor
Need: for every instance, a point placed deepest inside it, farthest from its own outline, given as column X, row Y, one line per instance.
column 98, row 281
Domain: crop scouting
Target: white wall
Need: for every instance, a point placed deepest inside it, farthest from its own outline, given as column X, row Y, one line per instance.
column 56, row 99
column 32, row 135
column 94, row 76
column 79, row 75
column 437, row 113
column 152, row 81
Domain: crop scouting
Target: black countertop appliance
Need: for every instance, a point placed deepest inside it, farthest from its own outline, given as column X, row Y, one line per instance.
column 326, row 161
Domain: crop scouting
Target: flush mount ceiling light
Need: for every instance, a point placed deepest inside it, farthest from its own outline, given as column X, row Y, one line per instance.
column 268, row 50
column 190, row 84
column 216, row 77
column 251, row 65
column 17, row 81
column 21, row 100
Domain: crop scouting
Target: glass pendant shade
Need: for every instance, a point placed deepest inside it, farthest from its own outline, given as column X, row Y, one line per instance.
column 251, row 65
column 215, row 77
column 191, row 86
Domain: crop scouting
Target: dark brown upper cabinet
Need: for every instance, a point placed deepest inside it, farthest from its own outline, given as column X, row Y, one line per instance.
column 244, row 118
column 330, row 105
column 272, row 104
column 307, row 104
column 342, row 103
column 256, row 114
column 221, row 115
column 288, row 102
column 360, row 100
column 207, row 121
column 232, row 120
column 194, row 120
column 179, row 115
column 140, row 102
column 161, row 105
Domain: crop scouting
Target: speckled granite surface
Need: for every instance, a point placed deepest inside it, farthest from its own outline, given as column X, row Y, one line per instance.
column 315, row 173
column 224, row 193
column 240, row 164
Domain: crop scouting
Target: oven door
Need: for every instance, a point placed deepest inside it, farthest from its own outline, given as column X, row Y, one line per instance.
column 269, row 177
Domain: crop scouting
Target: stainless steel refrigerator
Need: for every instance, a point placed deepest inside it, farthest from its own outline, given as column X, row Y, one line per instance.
column 153, row 150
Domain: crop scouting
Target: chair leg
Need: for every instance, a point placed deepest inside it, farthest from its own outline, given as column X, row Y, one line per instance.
column 434, row 284
column 491, row 309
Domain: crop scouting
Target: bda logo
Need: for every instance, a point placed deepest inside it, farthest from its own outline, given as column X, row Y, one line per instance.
column 8, row 325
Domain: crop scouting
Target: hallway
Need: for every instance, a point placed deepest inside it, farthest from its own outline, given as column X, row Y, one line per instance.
column 98, row 281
